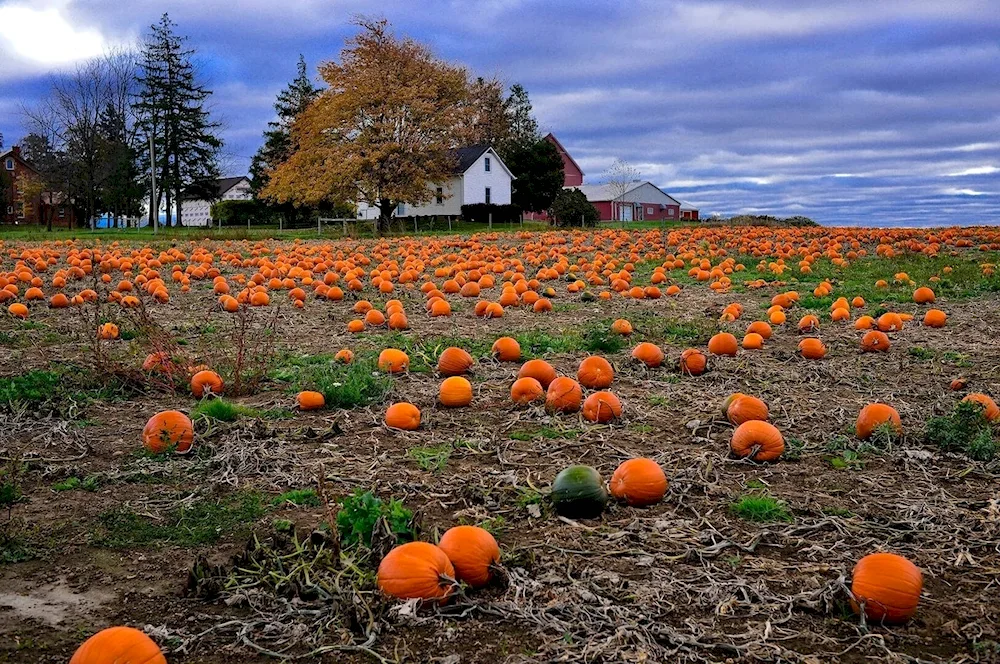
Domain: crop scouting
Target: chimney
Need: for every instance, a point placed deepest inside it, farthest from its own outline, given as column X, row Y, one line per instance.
column 16, row 149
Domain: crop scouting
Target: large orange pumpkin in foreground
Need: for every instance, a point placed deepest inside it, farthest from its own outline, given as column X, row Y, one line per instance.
column 454, row 361
column 875, row 415
column 506, row 349
column 309, row 400
column 118, row 645
column 639, row 482
column 990, row 409
column 416, row 570
column 168, row 430
column 693, row 362
column 761, row 441
column 393, row 360
column 744, row 408
column 473, row 551
column 887, row 587
column 649, row 354
column 723, row 343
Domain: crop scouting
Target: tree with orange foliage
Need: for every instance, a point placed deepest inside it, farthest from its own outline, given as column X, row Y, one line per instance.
column 382, row 131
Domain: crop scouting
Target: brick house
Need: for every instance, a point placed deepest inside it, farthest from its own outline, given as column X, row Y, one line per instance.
column 18, row 209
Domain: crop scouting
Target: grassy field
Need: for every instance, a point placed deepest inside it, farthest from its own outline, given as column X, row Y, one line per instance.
column 262, row 544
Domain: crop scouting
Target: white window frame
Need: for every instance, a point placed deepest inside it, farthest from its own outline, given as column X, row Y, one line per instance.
column 489, row 196
column 10, row 164
column 670, row 212
column 486, row 162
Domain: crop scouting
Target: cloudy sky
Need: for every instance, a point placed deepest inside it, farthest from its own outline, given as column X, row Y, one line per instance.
column 848, row 111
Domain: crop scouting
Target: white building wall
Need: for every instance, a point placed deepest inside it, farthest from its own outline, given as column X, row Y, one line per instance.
column 450, row 205
column 477, row 178
column 199, row 212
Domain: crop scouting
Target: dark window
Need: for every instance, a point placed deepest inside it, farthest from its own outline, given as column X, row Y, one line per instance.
column 62, row 212
column 488, row 196
column 10, row 165
column 440, row 196
column 487, row 167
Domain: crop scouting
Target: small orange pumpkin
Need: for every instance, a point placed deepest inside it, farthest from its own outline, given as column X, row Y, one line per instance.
column 752, row 341
column 393, row 360
column 526, row 390
column 723, row 343
column 108, row 331
column 622, row 326
column 344, row 355
column 875, row 341
column 812, row 348
column 886, row 587
column 309, row 400
column 935, row 318
column 168, row 430
column 118, row 645
column 761, row 441
column 540, row 370
column 744, row 408
column 595, row 373
column 923, row 295
column 649, row 354
column 875, row 415
column 416, row 570
column 693, row 362
column 455, row 392
column 403, row 416
column 506, row 349
column 602, row 407
column 563, row 395
column 454, row 361
column 639, row 482
column 206, row 381
column 473, row 551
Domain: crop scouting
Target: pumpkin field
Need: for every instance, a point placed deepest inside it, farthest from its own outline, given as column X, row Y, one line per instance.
column 695, row 444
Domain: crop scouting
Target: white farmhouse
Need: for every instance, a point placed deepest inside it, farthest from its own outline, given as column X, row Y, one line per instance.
column 198, row 212
column 480, row 176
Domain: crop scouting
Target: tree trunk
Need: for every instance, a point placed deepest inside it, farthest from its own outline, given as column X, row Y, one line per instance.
column 385, row 209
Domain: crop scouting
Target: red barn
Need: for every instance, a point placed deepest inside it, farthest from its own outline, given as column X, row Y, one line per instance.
column 640, row 201
column 21, row 208
column 572, row 174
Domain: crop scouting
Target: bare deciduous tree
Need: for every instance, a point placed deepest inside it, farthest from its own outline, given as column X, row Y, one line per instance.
column 620, row 178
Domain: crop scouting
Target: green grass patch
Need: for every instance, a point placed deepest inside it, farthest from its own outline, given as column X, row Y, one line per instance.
column 62, row 391
column 362, row 511
column 342, row 385
column 203, row 522
column 431, row 459
column 297, row 497
column 920, row 353
column 966, row 431
column 538, row 344
column 760, row 508
column 89, row 483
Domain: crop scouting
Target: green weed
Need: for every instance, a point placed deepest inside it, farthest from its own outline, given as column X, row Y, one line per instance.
column 362, row 510
column 342, row 385
column 760, row 508
column 298, row 497
column 89, row 483
column 431, row 458
column 966, row 430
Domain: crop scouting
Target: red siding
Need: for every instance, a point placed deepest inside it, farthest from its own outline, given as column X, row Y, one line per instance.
column 573, row 176
column 35, row 211
column 668, row 212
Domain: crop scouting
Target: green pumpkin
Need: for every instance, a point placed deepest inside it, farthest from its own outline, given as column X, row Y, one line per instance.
column 587, row 296
column 578, row 493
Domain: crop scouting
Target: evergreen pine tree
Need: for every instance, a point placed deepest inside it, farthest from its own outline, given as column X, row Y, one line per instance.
column 172, row 104
column 278, row 144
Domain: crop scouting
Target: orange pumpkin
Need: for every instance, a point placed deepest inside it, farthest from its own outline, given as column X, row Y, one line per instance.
column 752, row 341
column 639, row 482
column 526, row 390
column 118, row 645
column 622, row 326
column 744, row 408
column 403, row 416
column 18, row 310
column 761, row 441
column 309, row 400
column 595, row 373
column 889, row 322
column 990, row 410
column 886, row 587
column 923, row 295
column 540, row 370
column 812, row 348
column 455, row 392
column 206, row 381
column 108, row 331
column 808, row 323
column 648, row 353
column 761, row 328
column 168, row 430
column 693, row 362
column 864, row 323
column 874, row 341
column 935, row 318
column 563, row 395
column 723, row 343
column 474, row 553
column 393, row 360
column 416, row 570
column 344, row 355
column 875, row 415
column 602, row 407
column 454, row 361
column 506, row 349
